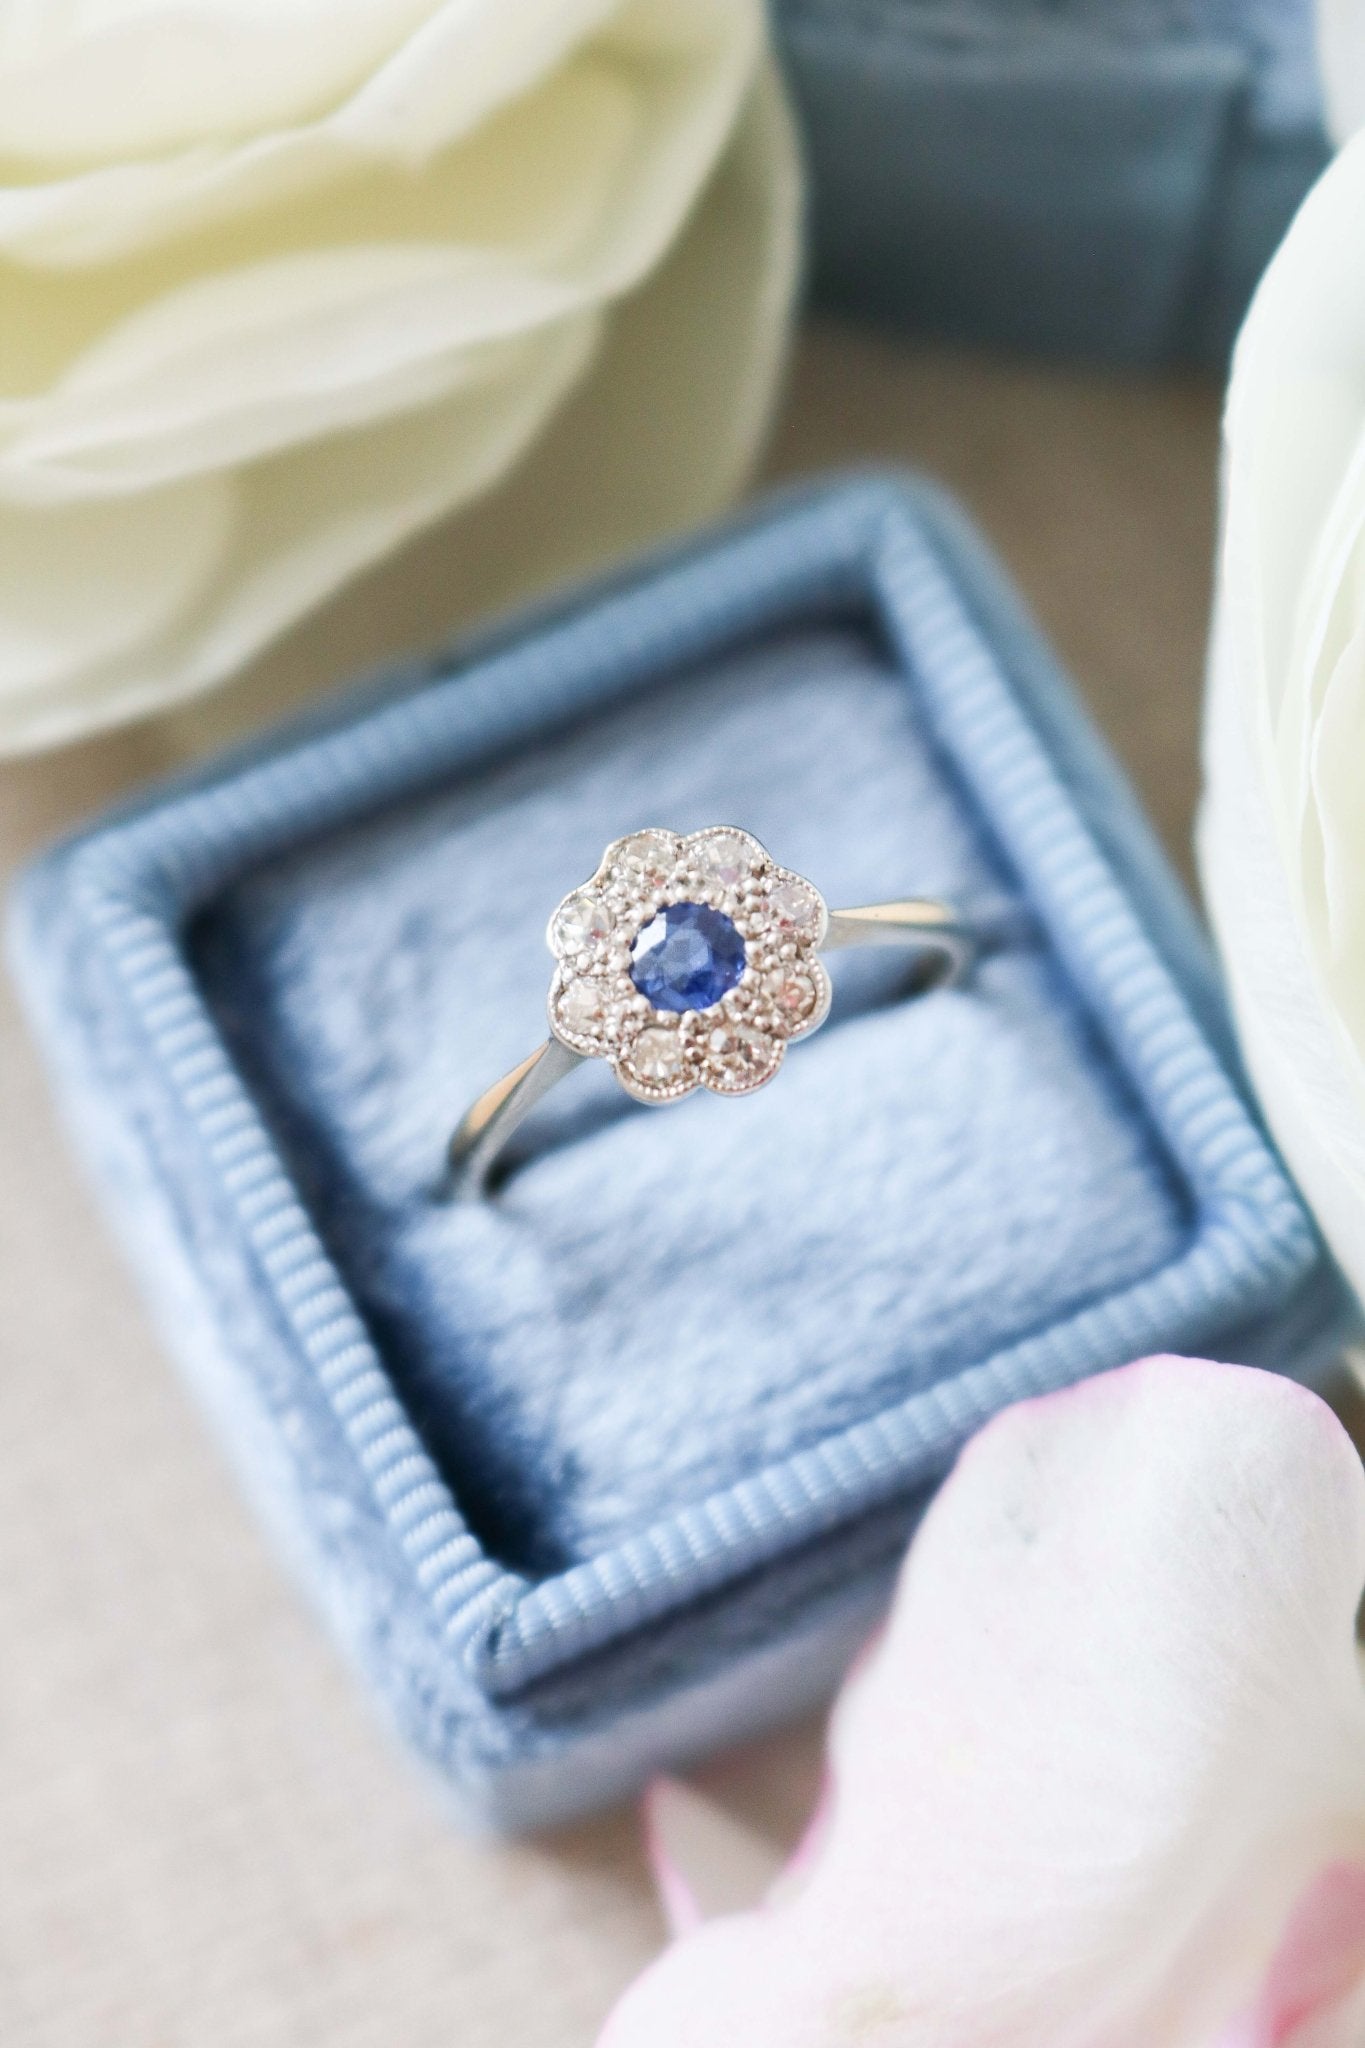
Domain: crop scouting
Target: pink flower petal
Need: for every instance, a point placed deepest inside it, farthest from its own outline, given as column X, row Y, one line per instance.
column 1314, row 1994
column 1112, row 1735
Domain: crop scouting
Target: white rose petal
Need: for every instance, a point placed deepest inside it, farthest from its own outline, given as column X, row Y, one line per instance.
column 437, row 88
column 295, row 530
column 383, row 279
column 146, row 563
column 1282, row 834
column 95, row 83
column 1341, row 50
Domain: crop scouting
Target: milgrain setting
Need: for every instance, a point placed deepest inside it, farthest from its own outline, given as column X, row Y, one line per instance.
column 690, row 960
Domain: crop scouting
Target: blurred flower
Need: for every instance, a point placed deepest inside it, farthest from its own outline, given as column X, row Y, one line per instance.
column 284, row 284
column 1341, row 53
column 1102, row 1782
column 1282, row 835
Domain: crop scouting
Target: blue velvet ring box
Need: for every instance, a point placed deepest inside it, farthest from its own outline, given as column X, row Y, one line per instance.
column 1104, row 178
column 617, row 1464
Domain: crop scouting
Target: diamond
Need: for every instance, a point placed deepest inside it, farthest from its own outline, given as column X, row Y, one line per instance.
column 582, row 1005
column 796, row 907
column 578, row 922
column 739, row 1049
column 793, row 995
column 657, row 1054
column 652, row 853
column 724, row 857
column 687, row 957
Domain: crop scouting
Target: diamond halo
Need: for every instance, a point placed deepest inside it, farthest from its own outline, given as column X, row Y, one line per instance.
column 730, row 903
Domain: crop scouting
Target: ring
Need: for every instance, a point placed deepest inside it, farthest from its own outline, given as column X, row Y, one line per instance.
column 691, row 961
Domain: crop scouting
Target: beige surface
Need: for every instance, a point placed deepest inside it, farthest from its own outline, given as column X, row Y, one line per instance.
column 205, row 1841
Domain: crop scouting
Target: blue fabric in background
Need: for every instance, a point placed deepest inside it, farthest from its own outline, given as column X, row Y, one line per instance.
column 1094, row 178
column 617, row 1464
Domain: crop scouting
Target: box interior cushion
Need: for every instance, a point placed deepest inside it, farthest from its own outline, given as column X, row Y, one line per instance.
column 659, row 1302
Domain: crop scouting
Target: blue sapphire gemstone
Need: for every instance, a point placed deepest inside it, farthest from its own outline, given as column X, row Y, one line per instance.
column 687, row 957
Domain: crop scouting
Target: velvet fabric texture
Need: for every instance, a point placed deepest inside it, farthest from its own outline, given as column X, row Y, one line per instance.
column 1095, row 178
column 616, row 1463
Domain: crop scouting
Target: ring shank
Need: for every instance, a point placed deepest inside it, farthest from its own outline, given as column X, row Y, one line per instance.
column 949, row 944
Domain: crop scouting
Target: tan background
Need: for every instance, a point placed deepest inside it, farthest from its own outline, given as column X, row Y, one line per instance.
column 205, row 1840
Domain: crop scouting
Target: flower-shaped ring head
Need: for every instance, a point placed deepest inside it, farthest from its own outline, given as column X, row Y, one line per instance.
column 688, row 961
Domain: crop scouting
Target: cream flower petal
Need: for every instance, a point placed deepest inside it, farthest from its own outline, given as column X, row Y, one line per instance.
column 301, row 526
column 145, row 567
column 529, row 208
column 423, row 104
column 615, row 245
column 1113, row 1734
column 467, row 66
column 85, row 83
column 690, row 360
column 1337, row 754
column 576, row 207
column 256, row 362
column 1282, row 831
